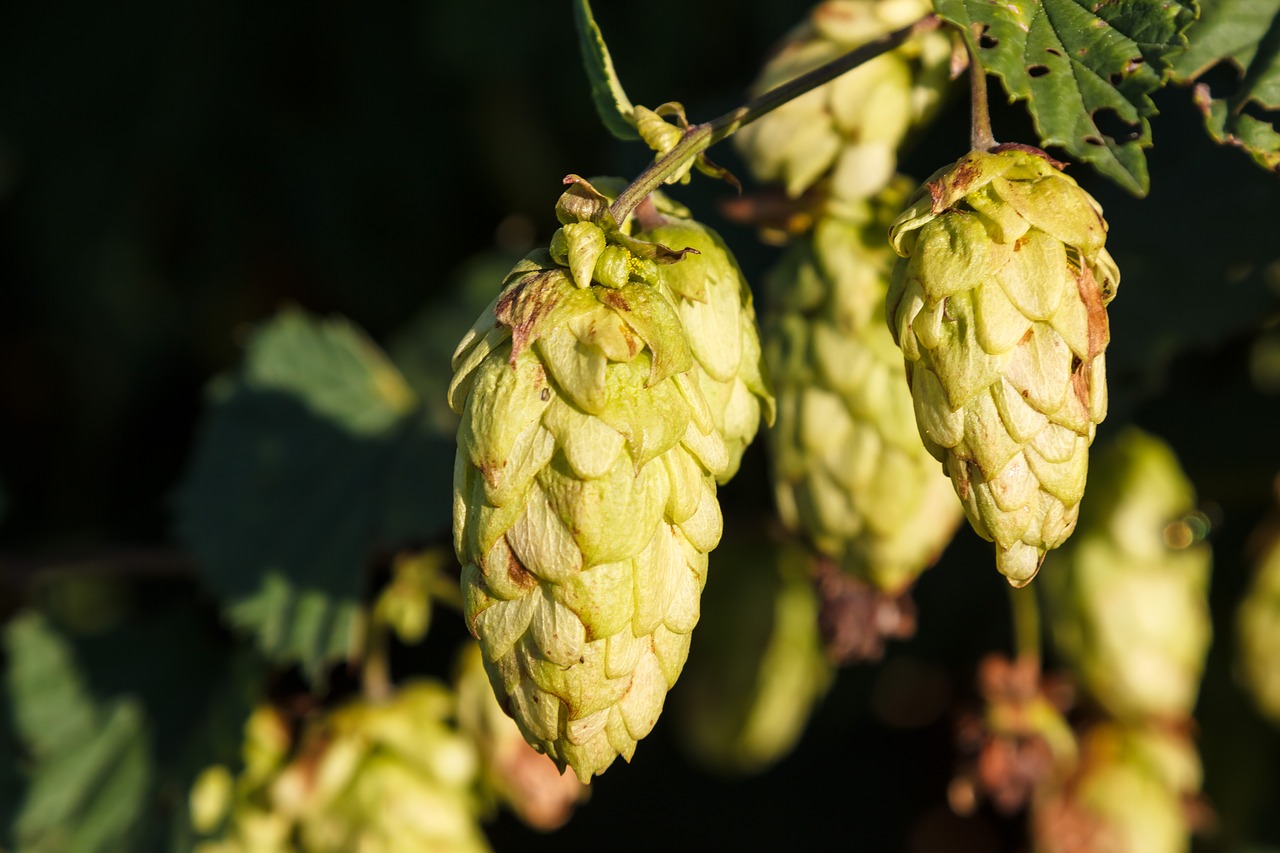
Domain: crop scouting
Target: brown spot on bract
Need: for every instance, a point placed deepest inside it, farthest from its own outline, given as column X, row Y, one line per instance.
column 615, row 300
column 1080, row 387
column 964, row 176
column 522, row 307
column 519, row 575
column 1026, row 337
column 1096, row 309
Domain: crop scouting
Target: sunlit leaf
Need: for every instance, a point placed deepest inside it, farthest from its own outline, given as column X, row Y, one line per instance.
column 1085, row 69
column 606, row 90
column 1245, row 35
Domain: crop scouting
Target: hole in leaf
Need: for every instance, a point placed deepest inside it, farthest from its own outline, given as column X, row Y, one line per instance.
column 1093, row 140
column 1109, row 122
column 1261, row 113
column 986, row 41
column 1037, row 70
column 1053, row 51
column 1115, row 78
column 1223, row 79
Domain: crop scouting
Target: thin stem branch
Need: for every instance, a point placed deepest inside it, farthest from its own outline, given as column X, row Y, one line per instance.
column 699, row 137
column 980, row 135
column 1026, row 623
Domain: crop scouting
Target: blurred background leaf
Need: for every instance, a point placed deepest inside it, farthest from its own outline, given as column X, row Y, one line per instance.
column 311, row 456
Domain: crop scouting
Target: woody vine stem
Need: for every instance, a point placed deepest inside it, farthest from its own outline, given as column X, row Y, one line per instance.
column 699, row 137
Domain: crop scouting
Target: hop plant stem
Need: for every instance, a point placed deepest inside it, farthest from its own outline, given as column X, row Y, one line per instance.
column 980, row 136
column 1026, row 624
column 700, row 137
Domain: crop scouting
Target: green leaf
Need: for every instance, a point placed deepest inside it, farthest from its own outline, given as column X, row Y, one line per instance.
column 606, row 90
column 310, row 460
column 1086, row 70
column 1246, row 35
column 90, row 764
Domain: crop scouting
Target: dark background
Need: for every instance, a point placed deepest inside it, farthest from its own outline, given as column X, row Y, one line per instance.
column 171, row 174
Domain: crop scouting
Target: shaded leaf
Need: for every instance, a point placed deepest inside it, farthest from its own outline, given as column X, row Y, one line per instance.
column 90, row 763
column 1245, row 34
column 1086, row 70
column 606, row 90
column 310, row 459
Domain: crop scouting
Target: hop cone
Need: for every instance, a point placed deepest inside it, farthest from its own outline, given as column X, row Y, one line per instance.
column 853, row 126
column 1258, row 627
column 1127, row 796
column 998, row 301
column 1127, row 594
column 759, row 667
column 390, row 777
column 848, row 469
column 584, row 495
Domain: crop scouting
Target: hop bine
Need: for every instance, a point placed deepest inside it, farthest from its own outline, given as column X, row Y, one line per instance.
column 998, row 302
column 585, row 481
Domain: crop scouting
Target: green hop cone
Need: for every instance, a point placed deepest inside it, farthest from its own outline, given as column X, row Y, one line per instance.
column 1128, row 795
column 715, row 308
column 584, row 493
column 759, row 667
column 998, row 302
column 852, row 127
column 848, row 469
column 1127, row 596
column 1258, row 630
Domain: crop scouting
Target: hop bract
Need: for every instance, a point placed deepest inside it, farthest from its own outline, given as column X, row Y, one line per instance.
column 585, row 493
column 849, row 471
column 1258, row 631
column 1128, row 594
column 853, row 126
column 998, row 302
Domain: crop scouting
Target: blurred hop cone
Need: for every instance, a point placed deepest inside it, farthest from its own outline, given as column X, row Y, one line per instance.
column 849, row 470
column 585, row 485
column 1258, row 626
column 758, row 668
column 853, row 126
column 998, row 301
column 526, row 781
column 375, row 777
column 1132, row 793
column 1127, row 595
